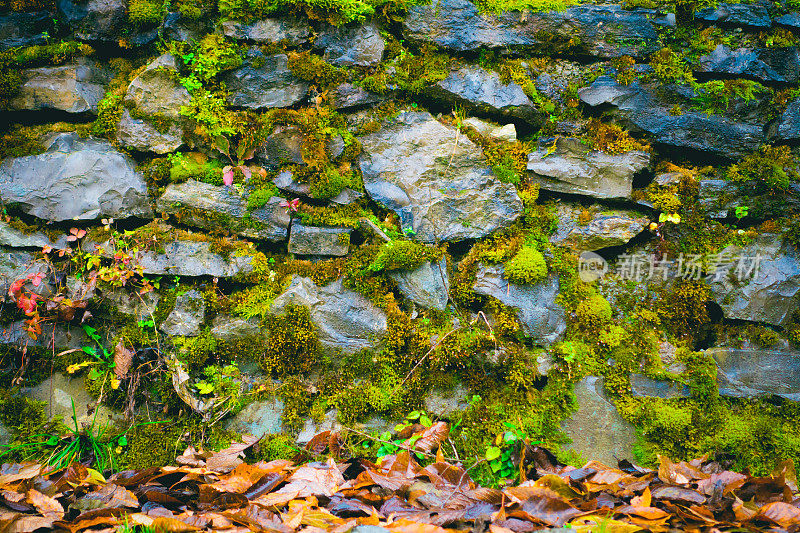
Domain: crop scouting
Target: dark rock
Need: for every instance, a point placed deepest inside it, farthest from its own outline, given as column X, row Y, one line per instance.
column 789, row 122
column 283, row 145
column 347, row 95
column 721, row 198
column 481, row 90
column 770, row 292
column 157, row 90
column 24, row 29
column 790, row 20
column 345, row 320
column 95, row 20
column 436, row 180
column 285, row 181
column 354, row 44
column 427, row 285
column 194, row 258
column 755, row 15
column 757, row 373
column 136, row 306
column 76, row 179
column 311, row 240
column 641, row 109
column 259, row 418
column 286, row 30
column 541, row 318
column 143, row 136
column 776, row 65
column 63, row 393
column 444, row 403
column 597, row 430
column 207, row 206
column 16, row 264
column 606, row 227
column 264, row 82
column 598, row 30
column 576, row 169
column 187, row 316
column 75, row 88
column 176, row 27
column 641, row 385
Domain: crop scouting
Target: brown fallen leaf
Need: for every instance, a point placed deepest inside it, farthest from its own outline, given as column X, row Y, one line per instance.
column 123, row 358
column 47, row 506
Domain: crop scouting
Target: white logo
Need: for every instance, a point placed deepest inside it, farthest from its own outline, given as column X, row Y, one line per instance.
column 591, row 267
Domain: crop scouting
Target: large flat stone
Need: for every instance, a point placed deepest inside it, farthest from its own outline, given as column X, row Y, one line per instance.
column 757, row 373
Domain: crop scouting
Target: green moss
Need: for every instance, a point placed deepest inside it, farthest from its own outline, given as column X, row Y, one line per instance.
column 292, row 343
column 260, row 197
column 145, row 12
column 501, row 6
column 770, row 169
column 151, row 445
column 714, row 96
column 316, row 70
column 670, row 67
column 195, row 352
column 275, row 447
column 256, row 301
column 348, row 216
column 194, row 166
column 683, row 308
column 403, row 255
column 527, row 266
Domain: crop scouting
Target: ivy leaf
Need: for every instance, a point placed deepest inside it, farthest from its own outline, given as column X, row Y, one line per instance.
column 204, row 387
column 413, row 415
column 492, row 452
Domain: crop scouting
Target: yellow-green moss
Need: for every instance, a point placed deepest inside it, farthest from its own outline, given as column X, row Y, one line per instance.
column 403, row 255
column 527, row 266
column 292, row 342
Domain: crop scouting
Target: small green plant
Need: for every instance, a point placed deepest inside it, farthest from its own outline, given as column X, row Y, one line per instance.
column 507, row 447
column 391, row 447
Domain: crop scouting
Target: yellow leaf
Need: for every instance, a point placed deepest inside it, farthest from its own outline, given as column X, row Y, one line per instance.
column 115, row 383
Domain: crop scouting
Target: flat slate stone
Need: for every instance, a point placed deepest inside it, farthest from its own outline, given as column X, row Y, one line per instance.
column 641, row 385
column 312, row 240
column 291, row 31
column 757, row 373
column 597, row 430
column 264, row 82
column 352, row 45
column 755, row 15
column 75, row 87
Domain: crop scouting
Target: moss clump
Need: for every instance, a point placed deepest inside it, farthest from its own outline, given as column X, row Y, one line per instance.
column 670, row 67
column 527, row 266
column 403, row 255
column 150, row 445
column 292, row 343
column 593, row 314
column 275, row 447
column 334, row 11
column 348, row 216
column 195, row 166
column 612, row 139
column 501, row 6
column 145, row 12
column 770, row 169
column 408, row 71
column 316, row 70
column 683, row 309
column 714, row 96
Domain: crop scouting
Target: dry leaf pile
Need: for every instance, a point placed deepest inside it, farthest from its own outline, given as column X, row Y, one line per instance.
column 220, row 492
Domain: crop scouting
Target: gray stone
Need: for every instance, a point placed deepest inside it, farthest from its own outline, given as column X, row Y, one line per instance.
column 75, row 87
column 259, row 418
column 775, row 65
column 347, row 95
column 285, row 181
column 482, row 90
column 54, row 337
column 597, row 30
column 60, row 391
column 233, row 328
column 286, row 30
column 645, row 109
column 157, row 89
column 345, row 320
column 312, row 240
column 24, row 29
column 176, row 27
column 641, row 385
column 597, row 430
column 541, row 318
column 771, row 291
column 789, row 122
column 606, row 228
column 203, row 205
column 187, row 317
column 283, row 145
column 143, row 136
column 95, row 20
column 264, row 82
column 427, row 285
column 790, row 20
column 436, row 180
column 354, row 44
column 15, row 238
column 445, row 403
column 138, row 306
column 194, row 258
column 755, row 15
column 721, row 198
column 575, row 168
column 507, row 133
column 347, row 197
column 16, row 264
column 757, row 373
column 76, row 179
